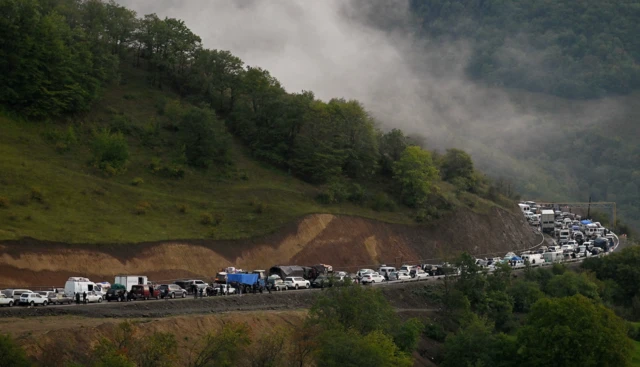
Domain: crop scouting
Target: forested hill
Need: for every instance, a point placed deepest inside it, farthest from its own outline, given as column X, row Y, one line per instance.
column 575, row 49
column 125, row 128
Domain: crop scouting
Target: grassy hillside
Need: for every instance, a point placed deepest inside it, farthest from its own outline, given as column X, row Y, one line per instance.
column 50, row 192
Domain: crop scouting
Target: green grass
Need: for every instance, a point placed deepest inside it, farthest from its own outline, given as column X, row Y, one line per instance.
column 49, row 195
column 635, row 357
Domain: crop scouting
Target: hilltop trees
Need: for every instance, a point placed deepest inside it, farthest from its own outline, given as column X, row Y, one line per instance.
column 60, row 55
column 563, row 48
column 415, row 172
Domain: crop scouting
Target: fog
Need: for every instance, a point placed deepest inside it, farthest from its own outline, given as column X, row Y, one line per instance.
column 332, row 48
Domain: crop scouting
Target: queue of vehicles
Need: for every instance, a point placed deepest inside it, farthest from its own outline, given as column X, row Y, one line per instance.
column 573, row 238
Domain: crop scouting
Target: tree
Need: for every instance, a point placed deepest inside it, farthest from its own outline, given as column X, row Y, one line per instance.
column 622, row 268
column 392, row 145
column 350, row 349
column 223, row 348
column 11, row 354
column 570, row 283
column 205, row 138
column 358, row 308
column 524, row 295
column 475, row 345
column 110, row 151
column 457, row 167
column 470, row 282
column 415, row 173
column 573, row 331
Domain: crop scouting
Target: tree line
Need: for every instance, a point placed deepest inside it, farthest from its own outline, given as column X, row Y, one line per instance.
column 62, row 54
column 583, row 49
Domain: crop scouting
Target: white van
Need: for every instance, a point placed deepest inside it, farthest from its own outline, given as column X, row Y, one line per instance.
column 386, row 270
column 533, row 258
column 524, row 207
column 15, row 293
column 78, row 285
column 555, row 256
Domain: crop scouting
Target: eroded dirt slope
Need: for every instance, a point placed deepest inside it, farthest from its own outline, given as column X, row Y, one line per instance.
column 345, row 242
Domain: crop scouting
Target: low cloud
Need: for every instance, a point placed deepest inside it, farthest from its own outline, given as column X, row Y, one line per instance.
column 337, row 49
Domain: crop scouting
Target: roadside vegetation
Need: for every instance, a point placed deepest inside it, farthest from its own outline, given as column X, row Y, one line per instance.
column 121, row 129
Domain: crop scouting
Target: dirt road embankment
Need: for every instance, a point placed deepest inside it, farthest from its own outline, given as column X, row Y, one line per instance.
column 347, row 243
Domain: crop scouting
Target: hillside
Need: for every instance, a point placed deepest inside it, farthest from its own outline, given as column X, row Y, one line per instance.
column 54, row 194
column 346, row 242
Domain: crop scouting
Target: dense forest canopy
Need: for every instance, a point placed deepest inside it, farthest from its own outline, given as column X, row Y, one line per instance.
column 575, row 49
column 62, row 54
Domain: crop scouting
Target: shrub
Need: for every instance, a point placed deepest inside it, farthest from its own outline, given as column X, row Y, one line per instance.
column 4, row 202
column 206, row 219
column 122, row 124
column 382, row 202
column 137, row 181
column 142, row 207
column 335, row 192
column 218, row 218
column 12, row 354
column 36, row 194
column 110, row 151
column 183, row 208
column 129, row 96
column 357, row 194
column 435, row 331
column 260, row 208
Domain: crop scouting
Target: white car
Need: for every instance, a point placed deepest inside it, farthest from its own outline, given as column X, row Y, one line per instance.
column 420, row 274
column 33, row 299
column 362, row 272
column 93, row 297
column 4, row 301
column 296, row 282
column 227, row 289
column 406, row 268
column 372, row 278
column 399, row 275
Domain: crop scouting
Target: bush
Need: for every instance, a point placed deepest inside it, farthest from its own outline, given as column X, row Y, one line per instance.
column 36, row 194
column 206, row 219
column 63, row 140
column 142, row 207
column 4, row 202
column 183, row 208
column 382, row 202
column 335, row 192
column 12, row 354
column 633, row 330
column 122, row 124
column 218, row 218
column 137, row 181
column 260, row 208
column 110, row 151
column 435, row 331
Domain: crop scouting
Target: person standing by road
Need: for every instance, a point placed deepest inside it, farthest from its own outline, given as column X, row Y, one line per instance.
column 77, row 298
column 84, row 297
